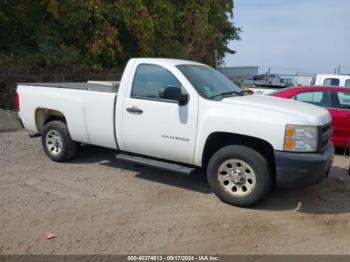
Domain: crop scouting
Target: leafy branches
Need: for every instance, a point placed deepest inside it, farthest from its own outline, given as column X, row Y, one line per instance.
column 106, row 33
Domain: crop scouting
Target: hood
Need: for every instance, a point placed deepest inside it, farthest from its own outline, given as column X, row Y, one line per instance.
column 313, row 115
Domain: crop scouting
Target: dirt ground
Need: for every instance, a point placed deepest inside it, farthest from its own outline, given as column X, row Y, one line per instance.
column 97, row 205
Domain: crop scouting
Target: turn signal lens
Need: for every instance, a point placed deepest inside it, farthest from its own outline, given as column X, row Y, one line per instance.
column 290, row 132
column 289, row 144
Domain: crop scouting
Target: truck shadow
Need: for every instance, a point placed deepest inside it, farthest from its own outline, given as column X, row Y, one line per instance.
column 332, row 196
column 195, row 182
column 106, row 157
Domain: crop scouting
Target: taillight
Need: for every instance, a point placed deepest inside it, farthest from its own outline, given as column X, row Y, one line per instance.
column 17, row 102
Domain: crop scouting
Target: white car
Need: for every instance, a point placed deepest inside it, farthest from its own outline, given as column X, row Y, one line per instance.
column 182, row 116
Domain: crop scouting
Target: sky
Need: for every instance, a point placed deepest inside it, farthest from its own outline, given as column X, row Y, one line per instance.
column 292, row 36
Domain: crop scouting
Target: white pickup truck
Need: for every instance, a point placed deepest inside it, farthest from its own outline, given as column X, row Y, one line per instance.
column 181, row 116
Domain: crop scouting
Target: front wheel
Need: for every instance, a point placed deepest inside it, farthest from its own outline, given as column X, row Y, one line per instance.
column 239, row 175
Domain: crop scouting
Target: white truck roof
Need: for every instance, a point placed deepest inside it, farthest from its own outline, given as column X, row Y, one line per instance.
column 168, row 61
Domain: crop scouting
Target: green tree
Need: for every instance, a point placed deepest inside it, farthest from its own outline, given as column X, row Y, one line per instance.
column 54, row 34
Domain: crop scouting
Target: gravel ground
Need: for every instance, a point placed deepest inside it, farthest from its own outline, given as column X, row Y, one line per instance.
column 96, row 205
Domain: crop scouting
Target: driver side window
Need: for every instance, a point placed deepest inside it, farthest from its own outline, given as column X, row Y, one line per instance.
column 150, row 79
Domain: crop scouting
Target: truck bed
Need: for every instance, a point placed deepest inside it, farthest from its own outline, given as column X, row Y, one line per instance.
column 88, row 108
column 108, row 87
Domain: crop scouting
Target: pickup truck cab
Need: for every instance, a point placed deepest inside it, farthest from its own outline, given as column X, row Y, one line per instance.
column 332, row 80
column 181, row 116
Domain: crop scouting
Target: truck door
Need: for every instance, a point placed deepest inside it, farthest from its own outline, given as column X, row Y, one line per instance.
column 156, row 127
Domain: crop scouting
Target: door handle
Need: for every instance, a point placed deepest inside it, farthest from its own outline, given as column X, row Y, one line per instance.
column 134, row 110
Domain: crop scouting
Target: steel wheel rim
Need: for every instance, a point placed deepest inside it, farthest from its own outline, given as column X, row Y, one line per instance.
column 54, row 142
column 237, row 177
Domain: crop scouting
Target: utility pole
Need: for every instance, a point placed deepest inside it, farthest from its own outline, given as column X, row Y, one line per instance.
column 338, row 71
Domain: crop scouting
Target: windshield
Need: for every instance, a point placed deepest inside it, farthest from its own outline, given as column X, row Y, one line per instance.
column 208, row 82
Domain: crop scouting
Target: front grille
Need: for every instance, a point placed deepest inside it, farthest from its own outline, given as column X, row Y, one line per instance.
column 325, row 133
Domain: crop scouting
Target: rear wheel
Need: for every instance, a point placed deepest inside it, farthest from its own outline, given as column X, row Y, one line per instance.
column 57, row 143
column 239, row 175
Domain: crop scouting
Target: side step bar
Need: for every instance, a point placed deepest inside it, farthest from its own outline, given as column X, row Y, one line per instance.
column 168, row 166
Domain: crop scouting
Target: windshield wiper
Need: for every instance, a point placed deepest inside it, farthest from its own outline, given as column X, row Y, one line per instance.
column 228, row 93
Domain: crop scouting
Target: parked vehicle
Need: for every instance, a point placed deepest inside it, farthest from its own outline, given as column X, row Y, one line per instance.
column 304, row 79
column 332, row 80
column 180, row 116
column 263, row 90
column 270, row 80
column 266, row 83
column 335, row 99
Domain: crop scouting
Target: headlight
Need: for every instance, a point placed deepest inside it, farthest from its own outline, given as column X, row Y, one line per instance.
column 301, row 138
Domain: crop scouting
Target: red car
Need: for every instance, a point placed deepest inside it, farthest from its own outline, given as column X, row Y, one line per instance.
column 335, row 99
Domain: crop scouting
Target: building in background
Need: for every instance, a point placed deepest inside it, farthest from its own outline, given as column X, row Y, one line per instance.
column 240, row 73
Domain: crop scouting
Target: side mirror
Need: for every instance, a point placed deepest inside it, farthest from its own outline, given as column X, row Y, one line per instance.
column 173, row 93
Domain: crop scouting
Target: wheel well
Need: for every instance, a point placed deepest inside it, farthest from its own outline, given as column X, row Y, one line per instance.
column 220, row 139
column 44, row 115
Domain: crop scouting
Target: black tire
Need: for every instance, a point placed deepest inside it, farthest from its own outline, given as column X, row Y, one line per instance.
column 68, row 146
column 251, row 157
